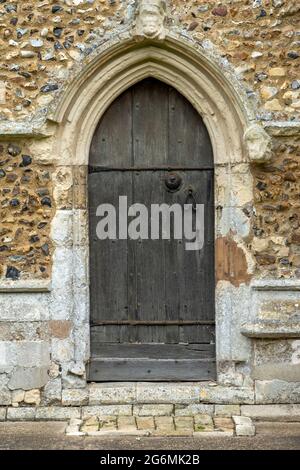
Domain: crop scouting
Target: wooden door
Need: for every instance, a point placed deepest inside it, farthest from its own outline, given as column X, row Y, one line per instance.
column 152, row 301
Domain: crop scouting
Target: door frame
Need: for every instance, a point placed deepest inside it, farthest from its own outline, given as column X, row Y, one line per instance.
column 223, row 104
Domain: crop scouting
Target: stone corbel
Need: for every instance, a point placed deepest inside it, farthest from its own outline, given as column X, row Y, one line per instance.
column 258, row 144
column 150, row 19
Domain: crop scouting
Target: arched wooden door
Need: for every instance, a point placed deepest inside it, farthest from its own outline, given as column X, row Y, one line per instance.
column 152, row 301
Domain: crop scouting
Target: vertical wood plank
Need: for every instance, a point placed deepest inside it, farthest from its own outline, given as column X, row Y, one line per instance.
column 108, row 258
column 112, row 142
column 150, row 123
column 189, row 142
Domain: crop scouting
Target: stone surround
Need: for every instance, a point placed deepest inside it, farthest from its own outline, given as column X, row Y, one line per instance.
column 62, row 65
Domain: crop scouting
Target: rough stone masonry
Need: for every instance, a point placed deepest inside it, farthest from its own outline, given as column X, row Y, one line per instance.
column 44, row 327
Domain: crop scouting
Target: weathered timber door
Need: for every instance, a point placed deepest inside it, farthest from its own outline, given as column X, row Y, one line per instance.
column 152, row 301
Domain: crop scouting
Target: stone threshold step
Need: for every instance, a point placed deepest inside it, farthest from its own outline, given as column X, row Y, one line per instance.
column 180, row 426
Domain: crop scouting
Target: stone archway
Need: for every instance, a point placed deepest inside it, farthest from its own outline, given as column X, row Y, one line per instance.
column 223, row 106
column 221, row 102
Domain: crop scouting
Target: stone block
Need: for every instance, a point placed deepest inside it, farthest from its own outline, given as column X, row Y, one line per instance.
column 75, row 397
column 229, row 375
column 80, row 186
column 5, row 360
column 276, row 371
column 56, row 413
column 61, row 303
column 81, row 233
column 164, row 424
column 62, row 271
column 31, row 353
column 92, row 421
column 81, row 336
column 108, row 423
column 231, row 344
column 145, row 422
column 75, row 422
column 245, row 430
column 80, row 268
column 226, row 395
column 17, row 396
column 126, row 423
column 62, row 350
column 60, row 328
column 52, row 391
column 21, row 414
column 24, row 353
column 272, row 412
column 195, row 409
column 24, row 307
column 2, row 414
column 242, row 420
column 62, row 228
column 80, row 196
column 54, row 370
column 112, row 393
column 168, row 393
column 74, row 431
column 107, row 410
column 32, row 397
column 224, row 424
column 5, row 394
column 203, row 423
column 87, row 429
column 81, row 306
column 184, row 422
column 73, row 381
column 227, row 410
column 153, row 410
column 28, row 378
column 63, row 181
column 277, row 391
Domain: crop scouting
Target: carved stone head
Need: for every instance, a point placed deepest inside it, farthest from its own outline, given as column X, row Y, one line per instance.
column 258, row 144
column 150, row 18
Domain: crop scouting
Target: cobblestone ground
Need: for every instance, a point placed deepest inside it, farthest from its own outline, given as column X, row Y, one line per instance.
column 190, row 426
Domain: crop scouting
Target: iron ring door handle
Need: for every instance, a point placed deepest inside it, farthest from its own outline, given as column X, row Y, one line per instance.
column 191, row 195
